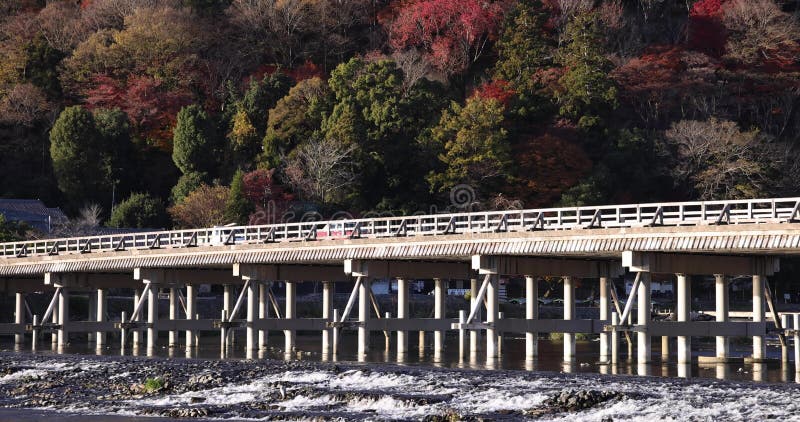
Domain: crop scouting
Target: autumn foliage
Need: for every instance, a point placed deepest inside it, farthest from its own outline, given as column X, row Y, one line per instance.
column 453, row 33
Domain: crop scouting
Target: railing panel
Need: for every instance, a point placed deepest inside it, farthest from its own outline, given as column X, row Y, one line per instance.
column 630, row 215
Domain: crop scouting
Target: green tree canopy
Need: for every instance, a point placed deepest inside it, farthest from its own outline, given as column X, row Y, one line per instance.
column 78, row 155
column 474, row 147
column 294, row 119
column 587, row 94
column 238, row 208
column 193, row 146
column 140, row 210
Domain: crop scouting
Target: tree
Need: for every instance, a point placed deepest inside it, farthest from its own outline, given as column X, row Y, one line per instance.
column 719, row 161
column 322, row 170
column 204, row 207
column 238, row 208
column 249, row 122
column 140, row 210
column 150, row 106
column 118, row 163
column 525, row 46
column 78, row 156
column 548, row 166
column 474, row 147
column 453, row 33
column 706, row 32
column 193, row 145
column 295, row 118
column 260, row 187
column 11, row 231
column 760, row 32
column 187, row 184
column 587, row 93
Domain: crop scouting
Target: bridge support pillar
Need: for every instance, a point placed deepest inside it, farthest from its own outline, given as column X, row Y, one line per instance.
column 252, row 310
column 173, row 315
column 227, row 306
column 100, row 336
column 19, row 316
column 439, row 292
column 474, row 335
column 363, row 316
column 152, row 317
column 327, row 307
column 402, row 313
column 137, row 334
column 263, row 313
column 684, row 310
column 492, row 310
column 569, row 314
column 722, row 295
column 92, row 315
column 605, row 309
column 531, row 312
column 796, row 326
column 54, row 320
column 643, row 321
column 191, row 311
column 759, row 348
column 291, row 313
column 63, row 317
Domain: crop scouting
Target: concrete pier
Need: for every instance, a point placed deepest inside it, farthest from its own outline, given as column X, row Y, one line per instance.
column 531, row 313
column 263, row 313
column 474, row 335
column 100, row 336
column 683, row 310
column 402, row 313
column 643, row 346
column 173, row 315
column 191, row 311
column 327, row 309
column 63, row 317
column 492, row 311
column 291, row 313
column 605, row 317
column 136, row 335
column 759, row 347
column 721, row 285
column 152, row 317
column 252, row 310
column 569, row 315
column 19, row 316
column 363, row 315
column 439, row 292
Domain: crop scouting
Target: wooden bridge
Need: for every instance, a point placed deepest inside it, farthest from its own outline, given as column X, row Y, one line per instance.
column 720, row 238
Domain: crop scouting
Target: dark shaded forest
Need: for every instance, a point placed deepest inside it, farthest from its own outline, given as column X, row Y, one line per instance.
column 187, row 113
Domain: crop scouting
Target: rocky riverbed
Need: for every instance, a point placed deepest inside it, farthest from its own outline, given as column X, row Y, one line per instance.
column 280, row 390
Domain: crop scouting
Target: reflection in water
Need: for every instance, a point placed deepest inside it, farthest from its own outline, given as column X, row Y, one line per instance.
column 723, row 371
column 550, row 357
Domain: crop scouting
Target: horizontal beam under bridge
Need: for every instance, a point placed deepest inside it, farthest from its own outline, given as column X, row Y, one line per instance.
column 545, row 266
column 672, row 263
column 295, row 273
column 708, row 328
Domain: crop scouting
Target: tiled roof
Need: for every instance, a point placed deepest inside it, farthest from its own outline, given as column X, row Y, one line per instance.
column 12, row 208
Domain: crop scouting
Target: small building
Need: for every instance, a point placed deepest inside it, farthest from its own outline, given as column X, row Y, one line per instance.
column 32, row 212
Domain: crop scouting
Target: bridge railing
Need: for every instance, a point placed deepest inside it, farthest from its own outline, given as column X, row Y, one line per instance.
column 569, row 218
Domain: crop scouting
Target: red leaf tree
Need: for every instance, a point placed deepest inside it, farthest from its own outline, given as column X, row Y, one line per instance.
column 706, row 31
column 452, row 33
column 151, row 109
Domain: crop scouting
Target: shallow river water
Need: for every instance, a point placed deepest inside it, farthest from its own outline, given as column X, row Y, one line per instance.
column 80, row 385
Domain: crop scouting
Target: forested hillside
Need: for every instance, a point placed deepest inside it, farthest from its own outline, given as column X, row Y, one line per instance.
column 183, row 113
